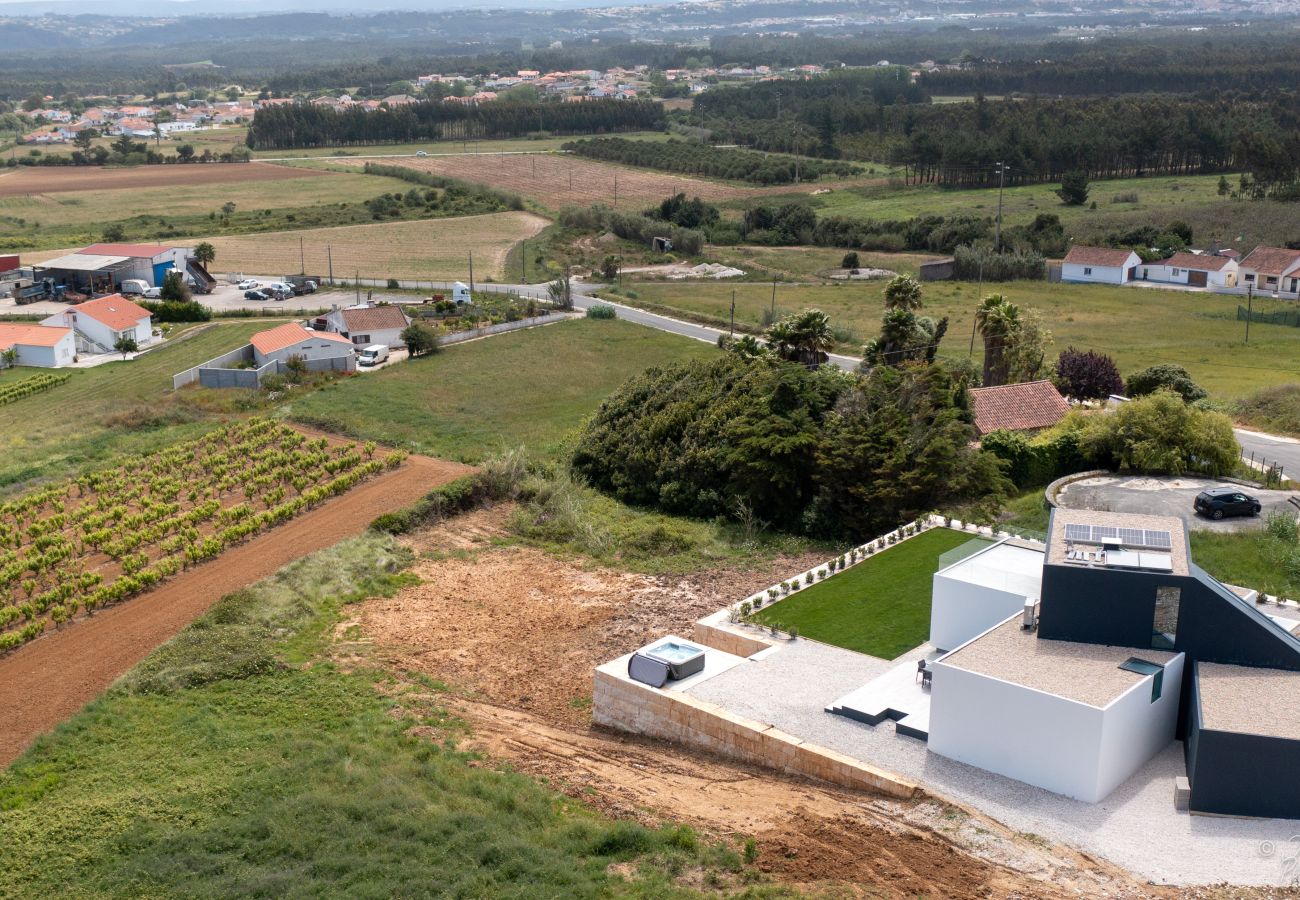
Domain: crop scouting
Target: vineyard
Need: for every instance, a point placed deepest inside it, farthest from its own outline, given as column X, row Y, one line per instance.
column 17, row 390
column 92, row 541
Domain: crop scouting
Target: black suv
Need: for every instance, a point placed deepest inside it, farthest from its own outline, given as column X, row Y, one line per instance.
column 1219, row 502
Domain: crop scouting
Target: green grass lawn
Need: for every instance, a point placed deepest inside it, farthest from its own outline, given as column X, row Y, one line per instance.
column 1253, row 559
column 880, row 607
column 1138, row 327
column 527, row 388
column 237, row 760
column 56, row 432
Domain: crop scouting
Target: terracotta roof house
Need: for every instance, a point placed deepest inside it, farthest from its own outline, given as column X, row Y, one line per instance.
column 1100, row 265
column 291, row 339
column 1029, row 406
column 47, row 346
column 101, row 323
column 1271, row 269
column 1192, row 269
column 364, row 325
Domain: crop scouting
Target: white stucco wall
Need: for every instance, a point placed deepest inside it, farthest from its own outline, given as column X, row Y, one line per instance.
column 315, row 348
column 961, row 611
column 1099, row 274
column 61, row 354
column 1134, row 729
column 390, row 336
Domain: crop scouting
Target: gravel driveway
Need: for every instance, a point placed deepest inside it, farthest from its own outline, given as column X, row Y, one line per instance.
column 1166, row 497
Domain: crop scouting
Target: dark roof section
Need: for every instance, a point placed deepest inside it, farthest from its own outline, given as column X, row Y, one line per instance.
column 1098, row 256
column 1018, row 407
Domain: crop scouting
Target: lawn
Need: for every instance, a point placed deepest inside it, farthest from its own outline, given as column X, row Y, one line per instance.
column 1253, row 559
column 1192, row 199
column 119, row 407
column 880, row 607
column 1137, row 326
column 529, row 388
column 238, row 760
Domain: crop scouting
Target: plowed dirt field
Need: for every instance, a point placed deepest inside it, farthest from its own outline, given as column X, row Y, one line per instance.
column 59, row 179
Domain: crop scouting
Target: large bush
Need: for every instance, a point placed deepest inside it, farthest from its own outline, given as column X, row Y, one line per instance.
column 1034, row 461
column 1161, row 434
column 1087, row 375
column 982, row 263
column 1165, row 377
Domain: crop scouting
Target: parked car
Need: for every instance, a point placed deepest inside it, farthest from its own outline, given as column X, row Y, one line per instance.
column 133, row 286
column 372, row 354
column 154, row 293
column 1225, row 501
column 249, row 284
column 281, row 287
column 420, row 153
column 256, row 295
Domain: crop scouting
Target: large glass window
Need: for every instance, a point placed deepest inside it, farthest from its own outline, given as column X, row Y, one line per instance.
column 1143, row 667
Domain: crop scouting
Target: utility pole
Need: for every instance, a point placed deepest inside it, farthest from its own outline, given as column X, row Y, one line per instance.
column 774, row 298
column 975, row 321
column 471, row 276
column 329, row 254
column 1002, row 176
column 733, row 314
column 616, row 189
column 302, row 259
column 357, row 285
column 523, row 261
column 1250, row 308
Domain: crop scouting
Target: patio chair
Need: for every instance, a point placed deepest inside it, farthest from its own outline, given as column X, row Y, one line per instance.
column 921, row 670
column 927, row 679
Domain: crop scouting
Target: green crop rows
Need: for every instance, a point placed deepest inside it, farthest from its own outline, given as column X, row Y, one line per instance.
column 17, row 390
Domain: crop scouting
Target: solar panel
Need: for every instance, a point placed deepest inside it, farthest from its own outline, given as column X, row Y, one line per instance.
column 1078, row 533
column 1132, row 537
column 1101, row 532
column 1158, row 539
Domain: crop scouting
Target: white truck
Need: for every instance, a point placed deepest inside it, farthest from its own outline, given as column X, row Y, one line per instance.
column 372, row 354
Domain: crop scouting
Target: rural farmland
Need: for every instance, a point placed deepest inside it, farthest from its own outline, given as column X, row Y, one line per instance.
column 58, row 180
column 433, row 250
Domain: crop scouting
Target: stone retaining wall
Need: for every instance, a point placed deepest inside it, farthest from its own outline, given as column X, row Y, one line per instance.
column 640, row 709
column 726, row 640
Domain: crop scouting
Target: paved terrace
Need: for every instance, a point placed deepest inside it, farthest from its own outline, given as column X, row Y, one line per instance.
column 1136, row 826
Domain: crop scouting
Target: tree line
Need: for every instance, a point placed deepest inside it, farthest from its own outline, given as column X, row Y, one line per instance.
column 700, row 159
column 297, row 125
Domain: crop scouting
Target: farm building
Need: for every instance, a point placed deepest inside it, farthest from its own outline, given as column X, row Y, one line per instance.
column 101, row 268
column 1275, row 270
column 1100, row 265
column 99, row 324
column 46, row 346
column 1029, row 406
column 1193, row 270
column 291, row 339
column 365, row 324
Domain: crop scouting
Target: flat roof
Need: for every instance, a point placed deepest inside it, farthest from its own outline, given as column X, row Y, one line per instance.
column 83, row 262
column 1057, row 544
column 1003, row 567
column 1086, row 673
column 1247, row 700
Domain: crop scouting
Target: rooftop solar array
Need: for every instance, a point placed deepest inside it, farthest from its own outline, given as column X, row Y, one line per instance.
column 1129, row 537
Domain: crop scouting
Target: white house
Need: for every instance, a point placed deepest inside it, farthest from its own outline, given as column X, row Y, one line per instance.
column 291, row 339
column 1192, row 269
column 978, row 590
column 364, row 325
column 1100, row 265
column 101, row 323
column 46, row 346
column 1272, row 270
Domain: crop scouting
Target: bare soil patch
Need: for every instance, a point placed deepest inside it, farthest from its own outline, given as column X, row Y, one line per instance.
column 517, row 632
column 47, row 680
column 38, row 180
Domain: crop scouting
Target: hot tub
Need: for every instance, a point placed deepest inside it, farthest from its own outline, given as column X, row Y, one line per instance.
column 683, row 659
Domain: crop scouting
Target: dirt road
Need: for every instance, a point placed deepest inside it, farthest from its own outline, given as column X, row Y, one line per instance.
column 516, row 633
column 49, row 679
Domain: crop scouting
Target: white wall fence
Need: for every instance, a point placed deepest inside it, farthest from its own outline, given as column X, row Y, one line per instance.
column 502, row 328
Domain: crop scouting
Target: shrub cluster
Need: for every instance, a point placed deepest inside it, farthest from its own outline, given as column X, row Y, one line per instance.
column 702, row 159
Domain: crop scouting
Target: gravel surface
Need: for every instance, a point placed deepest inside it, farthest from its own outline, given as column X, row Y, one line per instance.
column 1136, row 826
column 1166, row 497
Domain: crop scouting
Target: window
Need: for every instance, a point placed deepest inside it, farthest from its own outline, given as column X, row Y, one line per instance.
column 361, row 339
column 1249, row 276
column 1143, row 667
column 1175, row 271
column 1164, row 621
column 1087, row 270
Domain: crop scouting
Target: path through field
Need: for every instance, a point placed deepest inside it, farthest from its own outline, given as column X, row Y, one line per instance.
column 46, row 681
column 59, row 179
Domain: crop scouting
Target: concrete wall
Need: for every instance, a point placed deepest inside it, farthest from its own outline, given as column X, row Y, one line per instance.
column 235, row 378
column 1134, row 729
column 225, row 360
column 486, row 330
column 716, row 635
column 310, row 349
column 960, row 610
column 1037, row 738
column 670, row 715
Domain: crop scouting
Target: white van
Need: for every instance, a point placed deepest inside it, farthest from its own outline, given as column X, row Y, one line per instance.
column 372, row 354
column 133, row 286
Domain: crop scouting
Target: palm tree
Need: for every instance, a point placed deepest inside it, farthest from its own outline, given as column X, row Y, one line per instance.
column 902, row 292
column 998, row 320
column 782, row 338
column 815, row 339
column 205, row 254
column 8, row 358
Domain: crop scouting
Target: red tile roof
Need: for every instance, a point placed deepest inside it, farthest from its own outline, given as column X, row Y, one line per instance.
column 1017, row 407
column 1200, row 262
column 115, row 311
column 1271, row 260
column 1098, row 256
column 133, row 250
column 289, row 334
column 31, row 335
column 373, row 318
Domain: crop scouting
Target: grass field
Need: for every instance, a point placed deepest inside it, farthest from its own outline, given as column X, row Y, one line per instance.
column 529, row 388
column 880, row 607
column 1137, row 326
column 1192, row 199
column 1253, row 559
column 428, row 249
column 238, row 760
column 61, row 430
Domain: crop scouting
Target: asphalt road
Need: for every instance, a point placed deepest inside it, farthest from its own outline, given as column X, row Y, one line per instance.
column 1167, row 497
column 1272, row 448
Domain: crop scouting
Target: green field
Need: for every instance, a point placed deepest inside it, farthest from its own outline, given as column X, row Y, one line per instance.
column 1137, row 326
column 880, row 607
column 529, row 388
column 1193, row 199
column 119, row 407
column 238, row 760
